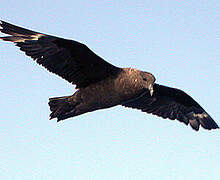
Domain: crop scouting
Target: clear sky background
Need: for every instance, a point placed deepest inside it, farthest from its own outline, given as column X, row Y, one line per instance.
column 178, row 41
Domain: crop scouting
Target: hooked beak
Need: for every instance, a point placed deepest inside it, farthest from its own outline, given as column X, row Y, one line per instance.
column 151, row 89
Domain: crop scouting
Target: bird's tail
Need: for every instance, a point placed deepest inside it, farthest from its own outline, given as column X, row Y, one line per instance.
column 62, row 107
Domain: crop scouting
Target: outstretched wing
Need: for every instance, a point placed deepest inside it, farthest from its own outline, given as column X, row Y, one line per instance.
column 173, row 103
column 71, row 60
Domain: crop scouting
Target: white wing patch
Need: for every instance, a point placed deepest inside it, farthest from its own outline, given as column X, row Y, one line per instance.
column 203, row 115
column 22, row 38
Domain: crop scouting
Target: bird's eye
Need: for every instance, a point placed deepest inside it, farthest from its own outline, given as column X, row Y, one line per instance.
column 144, row 79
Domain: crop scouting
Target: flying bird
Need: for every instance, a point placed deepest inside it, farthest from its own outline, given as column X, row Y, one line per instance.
column 100, row 84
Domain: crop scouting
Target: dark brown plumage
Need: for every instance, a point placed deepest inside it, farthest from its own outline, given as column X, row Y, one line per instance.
column 101, row 84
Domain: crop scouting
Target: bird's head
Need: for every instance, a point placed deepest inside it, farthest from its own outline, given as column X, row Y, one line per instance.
column 148, row 80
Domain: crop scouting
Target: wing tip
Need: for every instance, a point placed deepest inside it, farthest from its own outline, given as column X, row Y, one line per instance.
column 16, row 33
column 4, row 25
column 203, row 119
column 1, row 22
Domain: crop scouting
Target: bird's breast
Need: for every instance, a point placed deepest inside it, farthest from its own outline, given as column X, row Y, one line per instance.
column 110, row 92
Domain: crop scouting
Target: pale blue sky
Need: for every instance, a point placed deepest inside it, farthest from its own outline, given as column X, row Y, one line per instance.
column 175, row 40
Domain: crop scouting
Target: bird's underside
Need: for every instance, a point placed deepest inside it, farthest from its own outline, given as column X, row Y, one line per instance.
column 100, row 84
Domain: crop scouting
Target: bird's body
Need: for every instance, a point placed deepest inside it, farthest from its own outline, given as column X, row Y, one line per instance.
column 100, row 84
column 111, row 92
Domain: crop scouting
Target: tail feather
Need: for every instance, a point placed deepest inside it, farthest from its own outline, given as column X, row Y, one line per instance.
column 62, row 107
